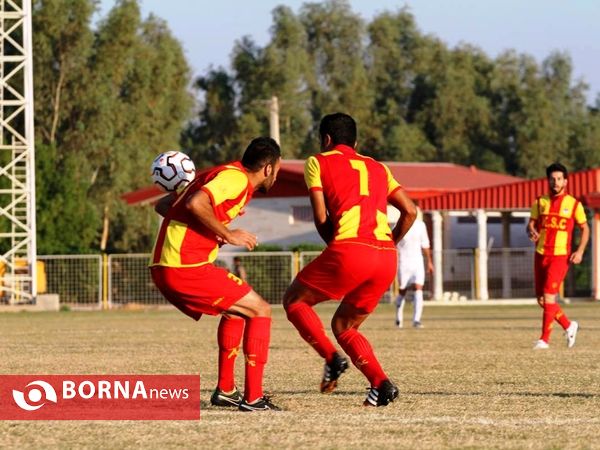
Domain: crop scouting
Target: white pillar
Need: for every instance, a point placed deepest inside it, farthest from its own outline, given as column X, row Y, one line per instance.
column 506, row 272
column 596, row 255
column 438, row 281
column 483, row 257
column 274, row 119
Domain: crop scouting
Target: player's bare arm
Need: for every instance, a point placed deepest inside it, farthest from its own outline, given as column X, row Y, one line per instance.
column 427, row 253
column 163, row 205
column 320, row 216
column 408, row 213
column 532, row 231
column 577, row 256
column 199, row 205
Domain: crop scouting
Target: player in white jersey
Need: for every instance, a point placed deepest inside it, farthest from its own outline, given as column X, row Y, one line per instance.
column 411, row 269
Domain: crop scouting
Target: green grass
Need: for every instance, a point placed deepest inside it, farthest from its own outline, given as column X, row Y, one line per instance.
column 468, row 380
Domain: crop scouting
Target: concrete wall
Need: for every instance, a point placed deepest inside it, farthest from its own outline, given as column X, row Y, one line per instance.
column 271, row 220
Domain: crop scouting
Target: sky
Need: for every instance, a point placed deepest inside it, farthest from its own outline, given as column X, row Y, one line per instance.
column 209, row 29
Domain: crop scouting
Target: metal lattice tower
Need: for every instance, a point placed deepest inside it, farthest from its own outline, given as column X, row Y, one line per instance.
column 17, row 158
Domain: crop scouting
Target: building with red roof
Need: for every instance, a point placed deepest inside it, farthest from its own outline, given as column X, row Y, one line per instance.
column 476, row 218
column 421, row 180
column 508, row 201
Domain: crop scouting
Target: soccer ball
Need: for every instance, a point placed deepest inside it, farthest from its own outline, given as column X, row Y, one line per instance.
column 172, row 170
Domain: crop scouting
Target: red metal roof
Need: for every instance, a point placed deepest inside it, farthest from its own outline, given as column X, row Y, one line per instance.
column 420, row 180
column 583, row 185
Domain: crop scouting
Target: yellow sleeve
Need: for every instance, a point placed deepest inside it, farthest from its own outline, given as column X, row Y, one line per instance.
column 535, row 209
column 312, row 173
column 391, row 181
column 580, row 216
column 227, row 185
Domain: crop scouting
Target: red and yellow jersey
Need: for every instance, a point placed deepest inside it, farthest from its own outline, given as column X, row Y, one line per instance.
column 182, row 240
column 555, row 217
column 356, row 189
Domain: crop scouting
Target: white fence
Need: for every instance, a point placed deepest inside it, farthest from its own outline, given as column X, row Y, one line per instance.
column 97, row 281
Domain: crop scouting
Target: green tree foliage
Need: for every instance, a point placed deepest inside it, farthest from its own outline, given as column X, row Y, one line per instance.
column 414, row 97
column 208, row 138
column 107, row 101
column 110, row 96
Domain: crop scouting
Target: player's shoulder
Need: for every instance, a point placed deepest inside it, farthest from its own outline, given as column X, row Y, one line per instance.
column 544, row 198
column 374, row 163
column 231, row 171
column 226, row 178
column 571, row 198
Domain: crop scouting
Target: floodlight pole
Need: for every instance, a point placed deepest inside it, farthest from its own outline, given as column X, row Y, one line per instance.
column 17, row 159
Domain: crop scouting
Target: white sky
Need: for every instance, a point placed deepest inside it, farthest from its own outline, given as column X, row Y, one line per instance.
column 208, row 29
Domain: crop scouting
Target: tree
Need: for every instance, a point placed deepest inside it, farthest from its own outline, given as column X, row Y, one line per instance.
column 395, row 56
column 414, row 97
column 118, row 97
column 536, row 111
column 339, row 80
column 208, row 138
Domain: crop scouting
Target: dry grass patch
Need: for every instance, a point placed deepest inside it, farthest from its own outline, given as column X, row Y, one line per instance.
column 467, row 380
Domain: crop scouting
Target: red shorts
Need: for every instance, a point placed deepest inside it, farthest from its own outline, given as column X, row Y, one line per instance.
column 360, row 273
column 199, row 290
column 550, row 272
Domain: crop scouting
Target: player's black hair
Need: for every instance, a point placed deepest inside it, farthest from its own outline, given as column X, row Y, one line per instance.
column 340, row 127
column 556, row 167
column 260, row 152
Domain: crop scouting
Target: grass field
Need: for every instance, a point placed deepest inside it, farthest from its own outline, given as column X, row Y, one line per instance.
column 468, row 380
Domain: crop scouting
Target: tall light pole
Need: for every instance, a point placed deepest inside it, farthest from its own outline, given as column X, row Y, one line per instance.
column 17, row 159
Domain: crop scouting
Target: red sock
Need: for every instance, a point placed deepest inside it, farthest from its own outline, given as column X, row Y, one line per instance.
column 256, row 350
column 229, row 337
column 359, row 350
column 310, row 327
column 562, row 318
column 550, row 310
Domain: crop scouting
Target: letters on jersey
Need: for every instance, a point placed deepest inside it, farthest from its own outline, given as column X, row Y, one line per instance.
column 556, row 216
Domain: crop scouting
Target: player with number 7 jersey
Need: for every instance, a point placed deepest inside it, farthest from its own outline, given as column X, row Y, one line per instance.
column 349, row 194
column 356, row 189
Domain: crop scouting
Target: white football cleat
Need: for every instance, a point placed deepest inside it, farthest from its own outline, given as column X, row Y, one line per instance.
column 571, row 333
column 541, row 345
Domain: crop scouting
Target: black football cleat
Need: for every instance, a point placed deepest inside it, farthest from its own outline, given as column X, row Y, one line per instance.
column 332, row 372
column 262, row 404
column 220, row 398
column 383, row 395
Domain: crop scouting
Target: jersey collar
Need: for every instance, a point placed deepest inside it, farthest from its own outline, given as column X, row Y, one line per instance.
column 346, row 149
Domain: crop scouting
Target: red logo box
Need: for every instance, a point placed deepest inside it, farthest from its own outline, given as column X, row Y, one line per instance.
column 99, row 397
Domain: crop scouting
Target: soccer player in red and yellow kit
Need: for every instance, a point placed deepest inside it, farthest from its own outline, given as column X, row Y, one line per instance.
column 553, row 217
column 195, row 225
column 349, row 195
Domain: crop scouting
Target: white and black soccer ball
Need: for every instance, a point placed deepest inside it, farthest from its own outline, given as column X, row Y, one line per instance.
column 172, row 170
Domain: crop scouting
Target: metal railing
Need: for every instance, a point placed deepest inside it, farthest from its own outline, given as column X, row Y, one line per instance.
column 94, row 281
column 269, row 274
column 77, row 279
